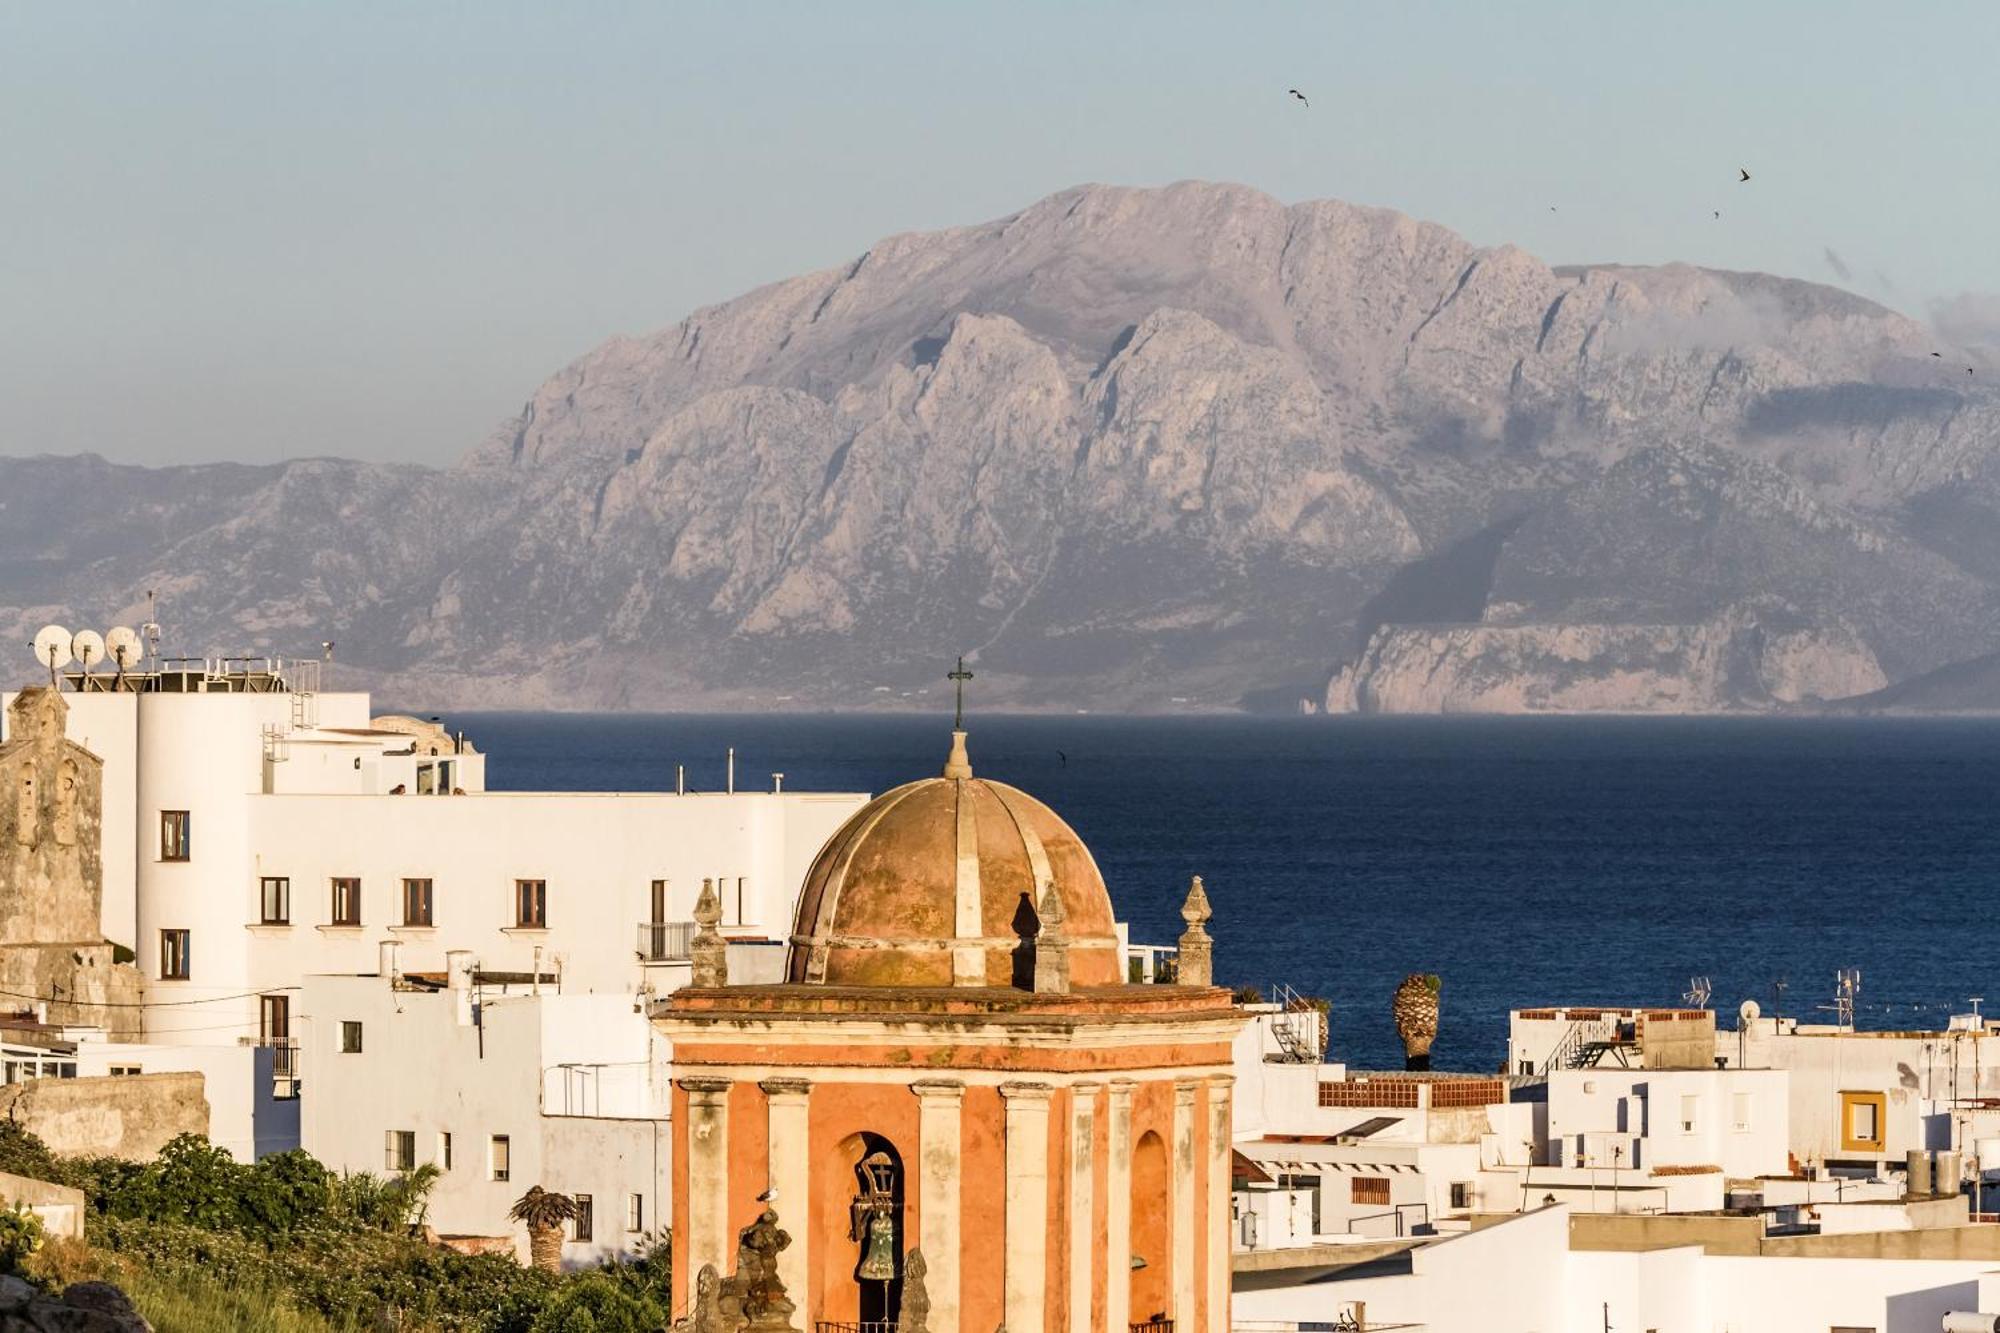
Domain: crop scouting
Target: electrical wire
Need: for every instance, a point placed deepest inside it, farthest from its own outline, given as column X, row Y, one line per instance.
column 141, row 1004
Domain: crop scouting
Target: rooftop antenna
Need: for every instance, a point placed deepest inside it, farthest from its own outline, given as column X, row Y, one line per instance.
column 151, row 629
column 52, row 650
column 1846, row 985
column 88, row 649
column 125, row 649
column 1698, row 992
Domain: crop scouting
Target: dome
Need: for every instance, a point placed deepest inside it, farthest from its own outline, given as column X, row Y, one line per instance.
column 937, row 882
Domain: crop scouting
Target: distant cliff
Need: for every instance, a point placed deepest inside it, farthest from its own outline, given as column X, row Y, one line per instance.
column 1185, row 447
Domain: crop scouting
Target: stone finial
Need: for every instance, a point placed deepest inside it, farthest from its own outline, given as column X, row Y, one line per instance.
column 1197, row 950
column 709, row 952
column 1051, row 944
column 755, row 1289
column 915, row 1316
column 958, row 764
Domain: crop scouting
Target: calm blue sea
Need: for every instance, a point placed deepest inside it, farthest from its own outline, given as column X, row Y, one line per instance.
column 1527, row 861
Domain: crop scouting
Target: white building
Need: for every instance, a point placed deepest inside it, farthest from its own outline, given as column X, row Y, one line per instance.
column 502, row 1084
column 258, row 830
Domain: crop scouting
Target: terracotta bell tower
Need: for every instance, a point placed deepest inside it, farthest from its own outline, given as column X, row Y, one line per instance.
column 955, row 1102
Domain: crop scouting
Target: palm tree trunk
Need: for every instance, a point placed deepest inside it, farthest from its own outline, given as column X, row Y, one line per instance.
column 545, row 1248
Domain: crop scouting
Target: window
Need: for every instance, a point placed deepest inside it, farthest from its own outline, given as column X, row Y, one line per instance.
column 173, row 835
column 274, row 1019
column 346, row 902
column 635, row 1212
column 174, row 963
column 444, row 1151
column 531, row 904
column 427, row 784
column 417, row 902
column 498, row 1155
column 1461, row 1194
column 1370, row 1189
column 350, row 1036
column 1861, row 1116
column 1690, row 1114
column 582, row 1224
column 399, row 1150
column 275, row 896
column 119, row 1070
column 1740, row 1111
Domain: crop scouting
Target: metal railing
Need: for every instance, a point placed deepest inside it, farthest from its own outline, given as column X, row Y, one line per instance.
column 864, row 1326
column 666, row 941
column 284, row 1069
column 1154, row 1326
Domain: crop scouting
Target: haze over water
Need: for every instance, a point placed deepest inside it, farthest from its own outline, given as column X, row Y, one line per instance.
column 1526, row 860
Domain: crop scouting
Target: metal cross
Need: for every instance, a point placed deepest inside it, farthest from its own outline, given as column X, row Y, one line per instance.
column 958, row 677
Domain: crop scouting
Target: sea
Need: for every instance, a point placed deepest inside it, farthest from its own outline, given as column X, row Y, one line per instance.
column 1525, row 861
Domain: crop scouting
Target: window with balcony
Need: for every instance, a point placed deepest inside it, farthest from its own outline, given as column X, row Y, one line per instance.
column 350, row 1036
column 399, row 1150
column 417, row 903
column 531, row 904
column 175, row 964
column 174, row 835
column 274, row 894
column 346, row 907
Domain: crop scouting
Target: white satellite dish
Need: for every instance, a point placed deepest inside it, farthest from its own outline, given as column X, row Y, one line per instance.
column 124, row 647
column 88, row 645
column 52, row 647
column 1748, row 1012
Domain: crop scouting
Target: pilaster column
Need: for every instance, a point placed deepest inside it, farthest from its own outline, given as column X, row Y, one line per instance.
column 791, row 1181
column 1118, row 1210
column 1027, row 1204
column 1186, row 1224
column 1082, row 1176
column 940, row 1142
column 1220, row 1136
column 708, row 1175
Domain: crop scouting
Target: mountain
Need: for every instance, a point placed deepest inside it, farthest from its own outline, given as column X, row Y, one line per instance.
column 1132, row 448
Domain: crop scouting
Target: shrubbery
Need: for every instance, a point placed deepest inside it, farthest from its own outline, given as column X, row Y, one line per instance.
column 196, row 1221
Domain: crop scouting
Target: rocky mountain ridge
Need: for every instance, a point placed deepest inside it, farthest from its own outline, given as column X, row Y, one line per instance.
column 1184, row 447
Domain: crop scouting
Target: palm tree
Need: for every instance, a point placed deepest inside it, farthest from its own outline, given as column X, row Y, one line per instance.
column 544, row 1213
column 1415, row 1009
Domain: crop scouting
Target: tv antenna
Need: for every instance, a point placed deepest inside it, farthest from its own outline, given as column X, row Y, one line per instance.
column 1846, row 985
column 151, row 628
column 88, row 649
column 1698, row 992
column 124, row 647
column 52, row 650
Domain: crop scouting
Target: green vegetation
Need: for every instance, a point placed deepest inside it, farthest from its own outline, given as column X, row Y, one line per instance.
column 202, row 1241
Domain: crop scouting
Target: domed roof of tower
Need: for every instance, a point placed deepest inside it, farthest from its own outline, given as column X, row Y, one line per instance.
column 938, row 883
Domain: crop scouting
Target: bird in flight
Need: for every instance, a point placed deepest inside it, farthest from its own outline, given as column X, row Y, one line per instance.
column 1937, row 353
column 1063, row 757
column 1718, row 212
column 1742, row 175
column 1301, row 96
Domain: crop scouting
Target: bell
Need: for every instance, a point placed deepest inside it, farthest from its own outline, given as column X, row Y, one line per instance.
column 878, row 1257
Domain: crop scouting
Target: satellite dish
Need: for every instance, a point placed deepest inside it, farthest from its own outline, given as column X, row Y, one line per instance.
column 52, row 647
column 124, row 647
column 88, row 645
column 1748, row 1012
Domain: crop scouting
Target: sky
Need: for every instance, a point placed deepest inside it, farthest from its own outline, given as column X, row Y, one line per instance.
column 255, row 231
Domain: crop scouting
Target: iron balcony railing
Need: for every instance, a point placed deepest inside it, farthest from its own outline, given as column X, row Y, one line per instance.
column 864, row 1326
column 666, row 941
column 1154, row 1326
column 284, row 1069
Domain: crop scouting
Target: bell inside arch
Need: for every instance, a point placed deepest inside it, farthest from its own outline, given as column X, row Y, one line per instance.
column 878, row 1254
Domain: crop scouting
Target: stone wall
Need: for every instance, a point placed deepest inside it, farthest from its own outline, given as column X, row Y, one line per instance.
column 129, row 1116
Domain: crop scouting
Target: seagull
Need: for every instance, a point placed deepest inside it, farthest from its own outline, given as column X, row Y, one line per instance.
column 1301, row 96
column 1063, row 757
column 1718, row 212
column 1937, row 353
column 1742, row 174
column 768, row 1195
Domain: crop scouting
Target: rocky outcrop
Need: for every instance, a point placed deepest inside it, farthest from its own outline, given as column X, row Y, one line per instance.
column 1721, row 666
column 82, row 1307
column 1134, row 448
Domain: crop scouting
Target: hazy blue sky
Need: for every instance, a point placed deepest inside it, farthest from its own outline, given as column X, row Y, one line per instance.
column 259, row 230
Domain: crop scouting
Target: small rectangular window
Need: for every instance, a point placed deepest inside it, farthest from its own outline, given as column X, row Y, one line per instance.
column 175, row 964
column 531, row 904
column 350, row 1036
column 274, row 900
column 426, row 780
column 635, row 1212
column 499, row 1155
column 1461, row 1194
column 1370, row 1189
column 174, row 841
column 581, row 1226
column 444, row 1151
column 399, row 1150
column 346, row 901
column 417, row 904
column 118, row 1070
